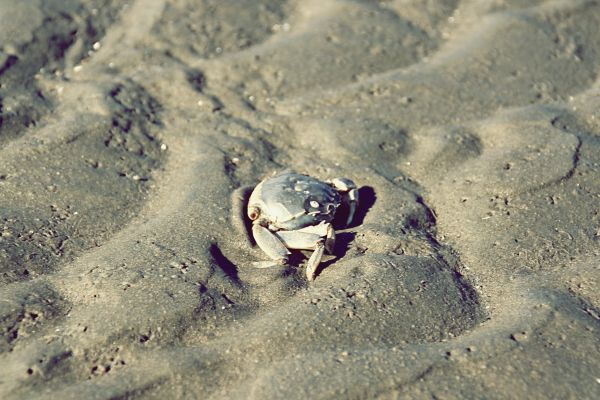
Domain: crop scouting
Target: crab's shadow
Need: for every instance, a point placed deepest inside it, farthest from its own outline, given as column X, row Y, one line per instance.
column 367, row 198
column 227, row 268
column 343, row 243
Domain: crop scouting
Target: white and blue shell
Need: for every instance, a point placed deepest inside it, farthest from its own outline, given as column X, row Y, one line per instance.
column 291, row 201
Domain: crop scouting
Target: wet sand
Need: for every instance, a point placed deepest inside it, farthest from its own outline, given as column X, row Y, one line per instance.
column 471, row 127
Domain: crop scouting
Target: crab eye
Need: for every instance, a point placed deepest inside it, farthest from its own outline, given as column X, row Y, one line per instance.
column 253, row 213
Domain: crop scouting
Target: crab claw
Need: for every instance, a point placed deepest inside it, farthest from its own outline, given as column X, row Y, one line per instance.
column 352, row 205
column 349, row 192
column 270, row 244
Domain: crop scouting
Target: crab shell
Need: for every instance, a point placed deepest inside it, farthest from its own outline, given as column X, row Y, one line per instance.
column 291, row 201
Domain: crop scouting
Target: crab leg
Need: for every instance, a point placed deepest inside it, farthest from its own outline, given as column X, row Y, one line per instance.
column 320, row 238
column 314, row 261
column 270, row 244
column 330, row 239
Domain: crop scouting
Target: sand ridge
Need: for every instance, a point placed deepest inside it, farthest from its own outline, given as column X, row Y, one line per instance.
column 471, row 127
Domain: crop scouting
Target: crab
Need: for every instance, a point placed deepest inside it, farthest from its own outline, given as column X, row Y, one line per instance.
column 295, row 211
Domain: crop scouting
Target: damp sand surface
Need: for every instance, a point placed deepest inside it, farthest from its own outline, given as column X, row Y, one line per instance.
column 471, row 127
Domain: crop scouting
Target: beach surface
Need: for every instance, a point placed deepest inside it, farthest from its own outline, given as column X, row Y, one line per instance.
column 471, row 271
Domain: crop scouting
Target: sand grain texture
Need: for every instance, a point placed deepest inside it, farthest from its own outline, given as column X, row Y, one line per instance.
column 471, row 271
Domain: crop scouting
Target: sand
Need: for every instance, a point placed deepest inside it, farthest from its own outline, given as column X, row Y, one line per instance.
column 471, row 126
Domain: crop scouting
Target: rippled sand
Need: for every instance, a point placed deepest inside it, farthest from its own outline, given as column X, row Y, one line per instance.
column 472, row 128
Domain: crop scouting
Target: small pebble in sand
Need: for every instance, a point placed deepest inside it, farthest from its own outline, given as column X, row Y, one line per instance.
column 285, row 27
column 519, row 336
column 405, row 100
column 77, row 68
column 96, row 46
